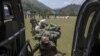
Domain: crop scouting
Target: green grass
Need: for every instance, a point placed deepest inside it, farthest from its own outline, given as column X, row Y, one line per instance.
column 67, row 30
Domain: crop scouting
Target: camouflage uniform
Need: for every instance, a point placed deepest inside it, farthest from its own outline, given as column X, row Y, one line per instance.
column 52, row 35
column 48, row 49
column 34, row 23
column 39, row 34
column 39, row 29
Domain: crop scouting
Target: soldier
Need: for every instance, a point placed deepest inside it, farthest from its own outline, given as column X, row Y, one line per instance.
column 52, row 35
column 33, row 22
column 55, row 29
column 46, row 47
column 41, row 25
column 39, row 29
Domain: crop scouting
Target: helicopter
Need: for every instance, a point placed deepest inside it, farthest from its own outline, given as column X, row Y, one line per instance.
column 86, row 39
column 12, row 29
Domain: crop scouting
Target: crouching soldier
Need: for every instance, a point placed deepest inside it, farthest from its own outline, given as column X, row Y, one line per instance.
column 46, row 47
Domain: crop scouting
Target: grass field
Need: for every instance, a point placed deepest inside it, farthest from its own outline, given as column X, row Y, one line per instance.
column 67, row 29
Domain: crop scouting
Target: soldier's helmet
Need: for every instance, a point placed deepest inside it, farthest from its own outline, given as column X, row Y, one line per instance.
column 44, row 39
column 42, row 21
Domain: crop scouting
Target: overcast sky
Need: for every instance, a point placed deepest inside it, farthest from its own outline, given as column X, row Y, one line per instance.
column 54, row 4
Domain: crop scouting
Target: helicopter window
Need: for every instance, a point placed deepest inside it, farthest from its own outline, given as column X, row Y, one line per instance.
column 7, row 13
column 6, row 10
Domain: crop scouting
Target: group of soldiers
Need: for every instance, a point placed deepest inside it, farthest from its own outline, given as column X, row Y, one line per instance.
column 46, row 36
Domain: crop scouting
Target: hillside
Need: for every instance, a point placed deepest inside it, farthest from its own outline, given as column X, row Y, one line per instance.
column 40, row 5
column 33, row 4
column 72, row 9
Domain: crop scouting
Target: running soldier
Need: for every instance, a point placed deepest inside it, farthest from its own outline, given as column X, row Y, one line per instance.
column 39, row 29
column 52, row 35
column 33, row 22
column 46, row 47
